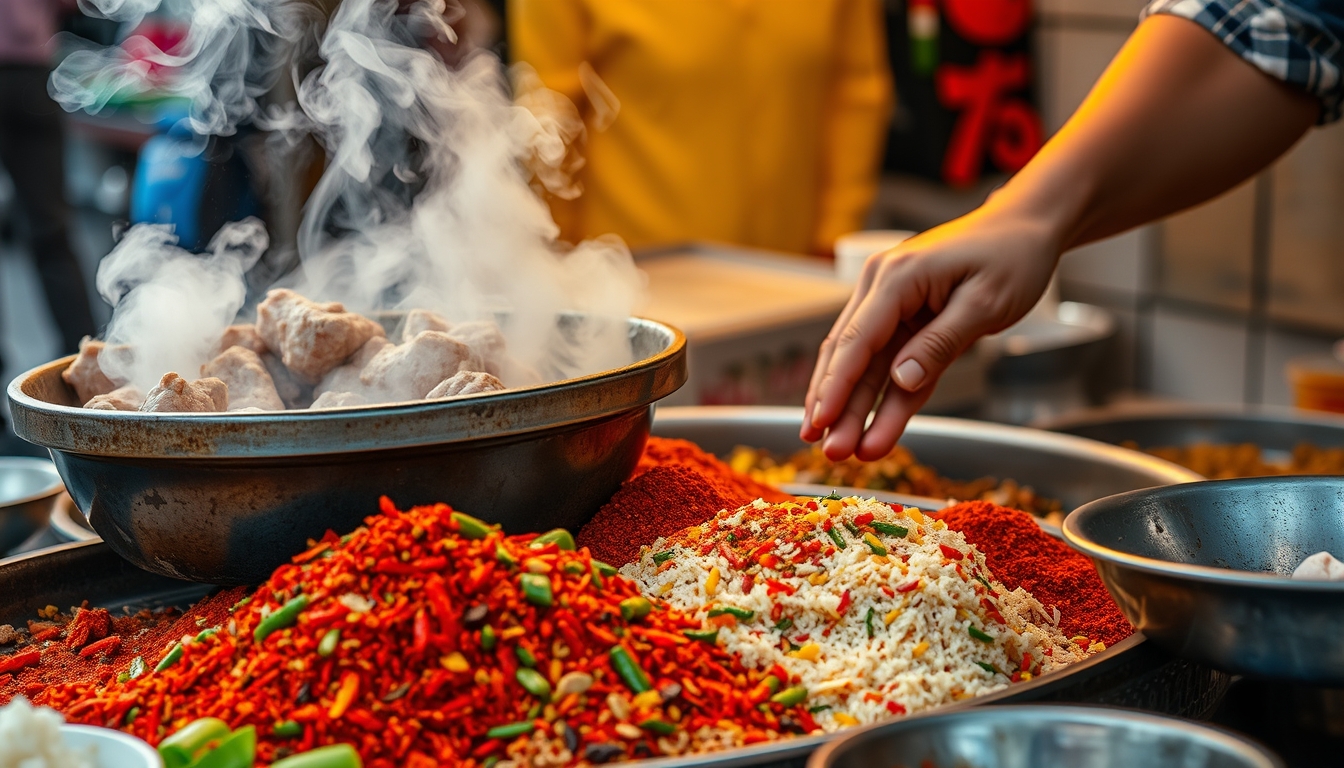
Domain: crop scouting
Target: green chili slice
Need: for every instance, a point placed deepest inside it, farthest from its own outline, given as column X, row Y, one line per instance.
column 287, row 729
column 284, row 616
column 978, row 635
column 662, row 557
column 604, row 569
column 169, row 659
column 710, row 636
column 783, row 624
column 327, row 645
column 237, row 750
column 332, row 756
column 503, row 557
column 874, row 544
column 851, row 528
column 512, row 730
column 179, row 749
column 987, row 667
column 772, row 683
column 832, row 496
column 731, row 610
column 558, row 536
column 868, row 621
column 818, row 708
column 630, row 672
column 525, row 656
column 889, row 529
column 488, row 638
column 839, row 540
column 790, row 696
column 534, row 683
column 537, row 589
column 471, row 527
column 636, row 608
column 661, row 727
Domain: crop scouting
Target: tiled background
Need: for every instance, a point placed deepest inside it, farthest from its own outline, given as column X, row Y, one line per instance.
column 1213, row 302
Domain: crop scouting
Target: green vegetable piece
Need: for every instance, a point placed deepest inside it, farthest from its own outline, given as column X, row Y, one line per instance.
column 832, row 496
column 490, row 761
column 889, row 529
column 237, row 750
column 240, row 603
column 839, row 540
column 978, row 635
column 854, row 529
column 630, row 672
column 327, row 645
column 784, row 624
column 537, row 589
column 818, row 708
column 636, row 608
column 488, row 638
column 525, row 656
column 179, row 749
column 772, row 683
column 131, row 715
column 731, row 610
column 534, row 683
column 503, row 557
column 790, row 696
column 868, row 621
column 710, row 636
column 559, row 536
column 874, row 545
column 123, row 677
column 661, row 727
column 604, row 569
column 285, row 616
column 988, row 667
column 287, row 729
column 470, row 527
column 573, row 568
column 207, row 632
column 333, row 756
column 511, row 731
column 662, row 557
column 169, row 659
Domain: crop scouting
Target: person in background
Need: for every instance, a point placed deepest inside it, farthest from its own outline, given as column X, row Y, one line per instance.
column 32, row 151
column 1205, row 94
column 757, row 122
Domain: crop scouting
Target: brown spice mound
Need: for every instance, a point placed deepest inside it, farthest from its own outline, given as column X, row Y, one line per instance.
column 1020, row 554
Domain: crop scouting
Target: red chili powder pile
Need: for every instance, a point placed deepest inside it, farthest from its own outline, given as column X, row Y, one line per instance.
column 677, row 484
column 1020, row 554
column 70, row 654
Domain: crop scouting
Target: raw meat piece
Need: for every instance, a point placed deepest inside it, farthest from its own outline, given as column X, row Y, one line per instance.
column 418, row 320
column 410, row 370
column 486, row 342
column 250, row 384
column 311, row 338
column 245, row 336
column 346, row 377
column 126, row 398
column 465, row 383
column 85, row 374
column 174, row 394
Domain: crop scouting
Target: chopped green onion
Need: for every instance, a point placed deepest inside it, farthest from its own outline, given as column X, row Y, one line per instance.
column 889, row 529
column 559, row 536
column 537, row 589
column 790, row 696
column 662, row 557
column 839, row 540
column 510, row 731
column 731, row 610
column 978, row 635
column 635, row 608
column 868, row 620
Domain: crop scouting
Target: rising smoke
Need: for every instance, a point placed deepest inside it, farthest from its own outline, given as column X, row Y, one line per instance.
column 430, row 196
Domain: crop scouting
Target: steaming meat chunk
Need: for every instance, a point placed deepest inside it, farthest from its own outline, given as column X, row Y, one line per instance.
column 85, row 374
column 486, row 342
column 311, row 338
column 410, row 370
column 337, row 400
column 126, row 398
column 245, row 336
column 250, row 384
column 465, row 383
column 346, row 377
column 418, row 320
column 174, row 394
column 293, row 393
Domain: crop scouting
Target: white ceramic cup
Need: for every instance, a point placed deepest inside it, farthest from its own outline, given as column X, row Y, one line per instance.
column 852, row 250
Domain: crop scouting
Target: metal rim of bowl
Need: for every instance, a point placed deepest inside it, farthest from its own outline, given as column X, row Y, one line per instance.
column 1203, row 573
column 1077, row 713
column 312, row 433
column 1160, row 411
column 43, row 465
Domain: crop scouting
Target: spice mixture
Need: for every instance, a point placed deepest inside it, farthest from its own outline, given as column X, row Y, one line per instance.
column 429, row 638
column 874, row 611
column 1022, row 555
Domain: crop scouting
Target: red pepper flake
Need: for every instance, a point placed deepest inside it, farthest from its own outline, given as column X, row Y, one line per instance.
column 827, row 525
column 46, row 634
column 845, row 602
column 951, row 553
column 20, row 660
column 773, row 586
column 863, row 518
column 910, row 587
column 1016, row 678
column 888, row 591
column 748, row 581
column 812, row 505
column 1026, row 662
column 107, row 645
column 731, row 556
column 895, row 708
column 420, row 633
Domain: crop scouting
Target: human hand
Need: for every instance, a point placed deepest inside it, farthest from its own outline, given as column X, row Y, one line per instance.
column 915, row 309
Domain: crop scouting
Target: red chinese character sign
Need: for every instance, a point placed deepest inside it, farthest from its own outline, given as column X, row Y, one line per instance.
column 964, row 81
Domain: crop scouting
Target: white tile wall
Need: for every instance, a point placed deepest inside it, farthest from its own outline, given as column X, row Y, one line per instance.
column 1069, row 60
column 1280, row 347
column 1120, row 264
column 1198, row 358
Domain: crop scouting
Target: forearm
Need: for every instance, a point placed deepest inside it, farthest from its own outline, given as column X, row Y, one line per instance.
column 1176, row 120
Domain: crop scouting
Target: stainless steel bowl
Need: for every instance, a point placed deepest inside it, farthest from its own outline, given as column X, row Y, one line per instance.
column 1202, row 569
column 28, row 489
column 225, row 498
column 1070, row 469
column 1043, row 737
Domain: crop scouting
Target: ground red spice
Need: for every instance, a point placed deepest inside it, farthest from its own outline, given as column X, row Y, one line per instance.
column 666, row 451
column 1020, row 554
column 144, row 634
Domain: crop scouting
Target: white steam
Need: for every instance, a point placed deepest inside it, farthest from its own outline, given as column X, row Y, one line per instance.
column 430, row 197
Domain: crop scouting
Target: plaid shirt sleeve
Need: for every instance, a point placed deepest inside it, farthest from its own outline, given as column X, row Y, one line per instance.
column 1296, row 42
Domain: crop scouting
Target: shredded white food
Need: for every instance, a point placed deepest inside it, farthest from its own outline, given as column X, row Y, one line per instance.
column 868, row 635
column 30, row 737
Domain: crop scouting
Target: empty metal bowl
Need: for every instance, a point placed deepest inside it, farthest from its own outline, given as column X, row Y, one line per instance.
column 225, row 498
column 1031, row 736
column 28, row 489
column 1202, row 568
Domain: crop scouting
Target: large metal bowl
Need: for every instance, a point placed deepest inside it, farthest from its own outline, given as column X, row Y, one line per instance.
column 1202, row 569
column 225, row 498
column 1043, row 737
column 1070, row 469
column 28, row 490
column 1157, row 425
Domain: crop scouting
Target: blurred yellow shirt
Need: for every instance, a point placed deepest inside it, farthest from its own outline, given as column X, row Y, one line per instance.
column 759, row 122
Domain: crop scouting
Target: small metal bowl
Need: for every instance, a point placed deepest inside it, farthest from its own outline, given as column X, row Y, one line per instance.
column 1040, row 736
column 28, row 489
column 224, row 498
column 1202, row 568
